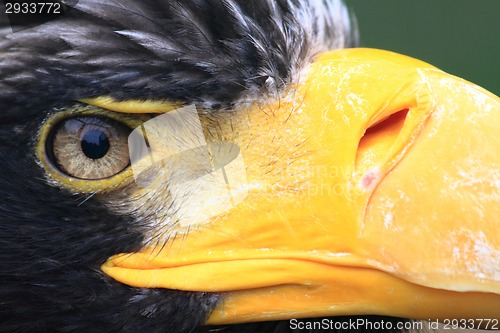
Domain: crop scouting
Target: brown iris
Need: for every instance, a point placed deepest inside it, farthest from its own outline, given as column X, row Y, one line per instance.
column 89, row 147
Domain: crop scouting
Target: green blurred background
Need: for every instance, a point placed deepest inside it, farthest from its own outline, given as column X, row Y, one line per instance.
column 461, row 37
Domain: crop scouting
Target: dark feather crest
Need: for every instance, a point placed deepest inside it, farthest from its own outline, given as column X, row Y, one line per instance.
column 213, row 52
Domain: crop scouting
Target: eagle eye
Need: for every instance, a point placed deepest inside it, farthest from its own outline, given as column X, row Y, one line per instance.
column 89, row 148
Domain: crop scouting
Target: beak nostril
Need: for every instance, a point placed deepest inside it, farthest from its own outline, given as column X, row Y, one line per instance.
column 391, row 124
column 377, row 141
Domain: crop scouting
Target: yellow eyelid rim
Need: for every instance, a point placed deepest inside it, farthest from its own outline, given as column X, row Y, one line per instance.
column 76, row 184
column 132, row 106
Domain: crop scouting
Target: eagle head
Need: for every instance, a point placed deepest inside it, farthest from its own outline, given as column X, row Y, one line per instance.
column 206, row 165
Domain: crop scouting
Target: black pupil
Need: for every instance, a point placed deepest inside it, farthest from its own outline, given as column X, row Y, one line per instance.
column 95, row 144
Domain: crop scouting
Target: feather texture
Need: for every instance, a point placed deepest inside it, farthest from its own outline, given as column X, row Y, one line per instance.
column 214, row 53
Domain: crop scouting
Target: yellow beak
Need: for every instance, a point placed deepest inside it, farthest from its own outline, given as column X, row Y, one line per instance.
column 373, row 187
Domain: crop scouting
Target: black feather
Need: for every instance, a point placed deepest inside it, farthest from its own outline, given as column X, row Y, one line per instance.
column 210, row 52
column 51, row 247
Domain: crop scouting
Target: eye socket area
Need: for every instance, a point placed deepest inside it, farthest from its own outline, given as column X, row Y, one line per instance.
column 89, row 147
